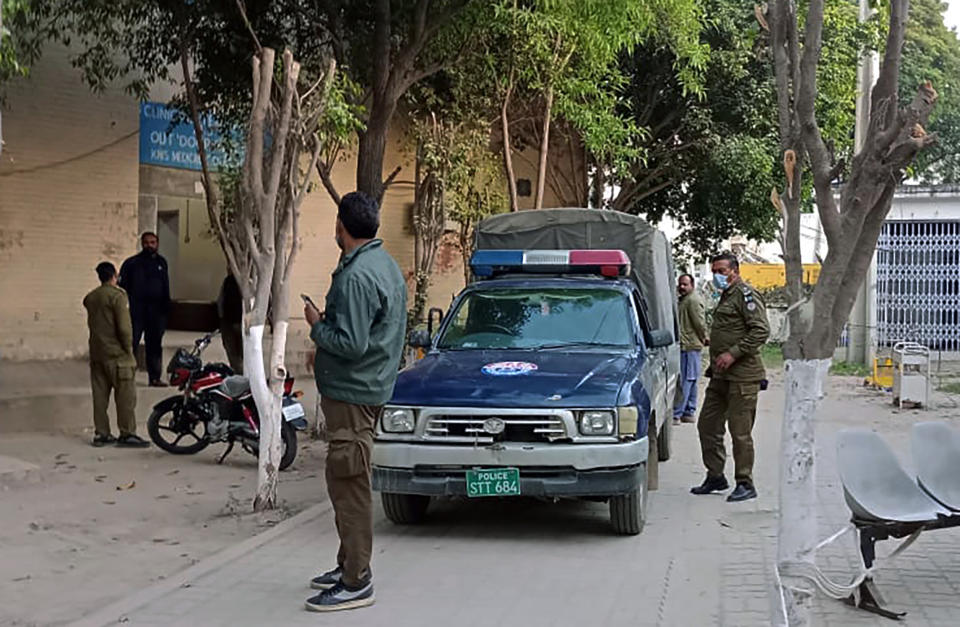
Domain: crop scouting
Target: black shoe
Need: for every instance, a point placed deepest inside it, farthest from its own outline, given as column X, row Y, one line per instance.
column 103, row 440
column 327, row 579
column 157, row 383
column 743, row 492
column 132, row 441
column 711, row 484
column 342, row 597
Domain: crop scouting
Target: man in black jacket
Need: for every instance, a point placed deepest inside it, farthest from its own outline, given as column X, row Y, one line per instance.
column 147, row 283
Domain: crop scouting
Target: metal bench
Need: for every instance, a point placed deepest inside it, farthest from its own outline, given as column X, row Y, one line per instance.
column 936, row 452
column 887, row 503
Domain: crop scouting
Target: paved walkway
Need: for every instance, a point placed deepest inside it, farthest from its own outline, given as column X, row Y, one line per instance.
column 700, row 561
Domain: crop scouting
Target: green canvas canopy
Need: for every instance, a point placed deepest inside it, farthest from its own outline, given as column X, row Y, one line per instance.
column 562, row 229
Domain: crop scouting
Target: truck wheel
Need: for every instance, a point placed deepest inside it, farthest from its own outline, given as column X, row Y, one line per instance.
column 404, row 509
column 628, row 512
column 663, row 440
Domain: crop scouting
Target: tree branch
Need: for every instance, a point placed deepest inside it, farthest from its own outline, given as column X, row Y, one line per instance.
column 886, row 88
column 324, row 171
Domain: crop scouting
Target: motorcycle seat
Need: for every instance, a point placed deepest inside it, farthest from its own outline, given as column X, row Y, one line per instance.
column 235, row 386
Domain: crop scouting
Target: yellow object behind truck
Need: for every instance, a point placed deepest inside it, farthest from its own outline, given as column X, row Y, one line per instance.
column 770, row 275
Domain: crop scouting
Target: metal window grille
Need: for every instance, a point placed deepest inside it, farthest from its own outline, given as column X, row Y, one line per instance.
column 918, row 284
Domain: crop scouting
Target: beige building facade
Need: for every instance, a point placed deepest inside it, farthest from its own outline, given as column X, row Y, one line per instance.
column 73, row 192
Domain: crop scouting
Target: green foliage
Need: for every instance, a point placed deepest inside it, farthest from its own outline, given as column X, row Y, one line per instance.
column 932, row 52
column 712, row 160
column 772, row 356
column 19, row 43
column 847, row 369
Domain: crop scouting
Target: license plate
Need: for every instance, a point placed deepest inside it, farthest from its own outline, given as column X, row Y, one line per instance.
column 293, row 411
column 493, row 482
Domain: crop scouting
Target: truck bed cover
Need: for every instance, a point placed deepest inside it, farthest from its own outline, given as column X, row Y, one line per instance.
column 574, row 229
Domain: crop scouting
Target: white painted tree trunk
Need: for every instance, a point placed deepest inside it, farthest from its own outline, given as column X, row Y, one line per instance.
column 268, row 408
column 803, row 386
column 271, row 444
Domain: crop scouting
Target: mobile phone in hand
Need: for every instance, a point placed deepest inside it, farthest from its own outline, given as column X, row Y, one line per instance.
column 309, row 301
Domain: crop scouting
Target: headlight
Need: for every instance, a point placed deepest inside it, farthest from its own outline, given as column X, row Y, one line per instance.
column 596, row 423
column 397, row 420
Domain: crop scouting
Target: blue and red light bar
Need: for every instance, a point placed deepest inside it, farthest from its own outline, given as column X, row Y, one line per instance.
column 608, row 263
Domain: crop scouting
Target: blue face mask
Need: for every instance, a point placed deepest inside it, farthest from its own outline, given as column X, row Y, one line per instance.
column 720, row 280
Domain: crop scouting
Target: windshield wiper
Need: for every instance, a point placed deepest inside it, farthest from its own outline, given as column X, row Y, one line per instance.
column 547, row 347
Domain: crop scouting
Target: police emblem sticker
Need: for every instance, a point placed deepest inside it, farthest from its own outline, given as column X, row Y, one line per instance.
column 508, row 368
column 751, row 306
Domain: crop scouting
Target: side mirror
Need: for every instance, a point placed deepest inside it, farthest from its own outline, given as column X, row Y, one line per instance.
column 434, row 312
column 419, row 339
column 660, row 338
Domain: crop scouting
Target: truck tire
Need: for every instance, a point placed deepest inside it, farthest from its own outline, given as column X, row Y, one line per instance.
column 405, row 509
column 663, row 440
column 628, row 512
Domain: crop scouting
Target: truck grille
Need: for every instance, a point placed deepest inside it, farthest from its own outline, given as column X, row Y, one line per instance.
column 516, row 428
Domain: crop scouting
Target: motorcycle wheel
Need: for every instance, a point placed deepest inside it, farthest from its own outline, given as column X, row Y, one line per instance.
column 288, row 443
column 172, row 424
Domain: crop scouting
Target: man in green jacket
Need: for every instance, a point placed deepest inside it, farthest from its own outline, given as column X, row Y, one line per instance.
column 112, row 364
column 693, row 337
column 359, row 340
column 739, row 329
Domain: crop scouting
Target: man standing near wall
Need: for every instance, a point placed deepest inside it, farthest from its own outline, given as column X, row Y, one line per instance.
column 230, row 312
column 693, row 337
column 112, row 364
column 738, row 331
column 147, row 283
column 359, row 341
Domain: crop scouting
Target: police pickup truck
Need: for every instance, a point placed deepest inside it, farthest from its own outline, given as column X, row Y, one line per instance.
column 551, row 375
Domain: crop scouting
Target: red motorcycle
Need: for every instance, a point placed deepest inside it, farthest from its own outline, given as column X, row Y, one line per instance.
column 217, row 406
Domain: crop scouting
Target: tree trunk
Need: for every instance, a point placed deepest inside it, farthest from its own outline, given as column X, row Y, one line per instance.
column 803, row 385
column 253, row 367
column 544, row 149
column 371, row 149
column 507, row 148
column 466, row 229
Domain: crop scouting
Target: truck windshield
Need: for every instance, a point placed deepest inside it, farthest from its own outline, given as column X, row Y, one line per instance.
column 540, row 318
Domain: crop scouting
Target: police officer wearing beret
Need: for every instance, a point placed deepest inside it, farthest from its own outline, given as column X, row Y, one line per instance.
column 739, row 329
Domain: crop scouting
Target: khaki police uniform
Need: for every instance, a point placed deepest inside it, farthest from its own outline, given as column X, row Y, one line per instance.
column 740, row 328
column 112, row 364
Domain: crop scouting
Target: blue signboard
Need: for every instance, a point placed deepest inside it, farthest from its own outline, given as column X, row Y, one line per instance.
column 175, row 145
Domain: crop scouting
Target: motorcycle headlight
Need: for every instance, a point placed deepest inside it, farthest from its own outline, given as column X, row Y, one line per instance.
column 398, row 420
column 597, row 423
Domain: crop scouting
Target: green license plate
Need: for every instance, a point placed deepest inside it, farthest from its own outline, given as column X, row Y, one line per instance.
column 493, row 482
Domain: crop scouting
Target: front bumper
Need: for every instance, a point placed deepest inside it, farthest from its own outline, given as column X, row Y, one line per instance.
column 547, row 482
column 545, row 469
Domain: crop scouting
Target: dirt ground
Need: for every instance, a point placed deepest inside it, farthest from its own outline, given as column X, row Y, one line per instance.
column 90, row 525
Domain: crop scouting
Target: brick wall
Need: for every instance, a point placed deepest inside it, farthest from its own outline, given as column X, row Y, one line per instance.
column 68, row 199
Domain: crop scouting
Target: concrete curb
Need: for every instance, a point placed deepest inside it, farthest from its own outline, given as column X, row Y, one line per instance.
column 116, row 612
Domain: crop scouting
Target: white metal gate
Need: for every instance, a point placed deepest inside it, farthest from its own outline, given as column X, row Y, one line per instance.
column 918, row 284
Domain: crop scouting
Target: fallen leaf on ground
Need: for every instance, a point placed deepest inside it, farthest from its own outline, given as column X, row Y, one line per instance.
column 172, row 472
column 132, row 485
column 194, row 492
column 100, row 478
column 725, row 524
column 60, row 455
column 159, row 540
column 24, row 578
column 109, row 502
column 162, row 496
